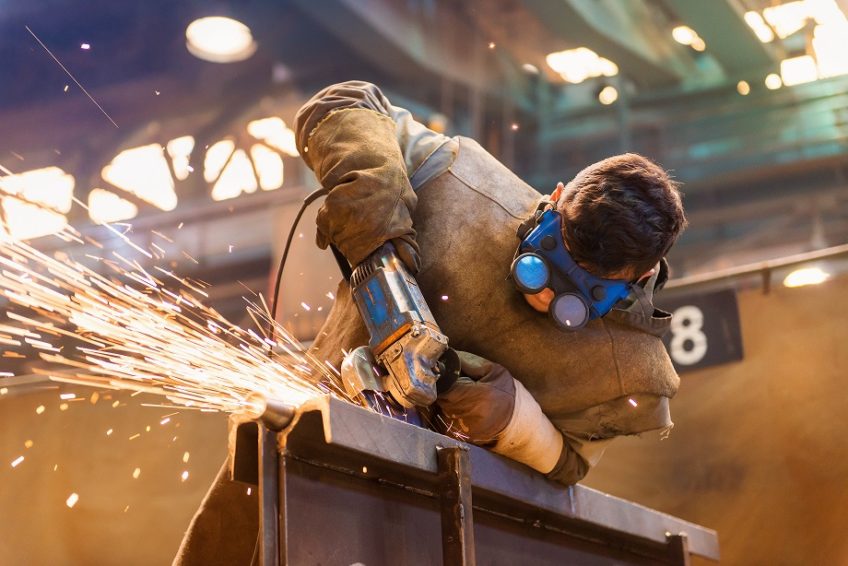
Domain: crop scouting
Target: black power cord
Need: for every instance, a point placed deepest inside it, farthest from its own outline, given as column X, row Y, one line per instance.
column 310, row 198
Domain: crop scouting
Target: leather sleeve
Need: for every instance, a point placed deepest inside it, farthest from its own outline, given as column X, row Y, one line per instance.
column 588, row 433
column 342, row 96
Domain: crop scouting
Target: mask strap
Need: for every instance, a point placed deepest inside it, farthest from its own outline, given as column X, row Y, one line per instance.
column 644, row 300
column 527, row 226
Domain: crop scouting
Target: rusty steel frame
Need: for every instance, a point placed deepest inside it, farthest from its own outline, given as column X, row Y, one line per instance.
column 457, row 512
column 334, row 450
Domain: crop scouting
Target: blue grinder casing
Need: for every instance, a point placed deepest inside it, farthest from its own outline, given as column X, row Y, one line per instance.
column 390, row 303
column 404, row 336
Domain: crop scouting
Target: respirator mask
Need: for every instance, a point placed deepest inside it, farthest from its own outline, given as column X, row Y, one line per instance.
column 542, row 261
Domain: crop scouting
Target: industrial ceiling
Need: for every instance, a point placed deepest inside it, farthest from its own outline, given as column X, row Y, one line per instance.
column 763, row 171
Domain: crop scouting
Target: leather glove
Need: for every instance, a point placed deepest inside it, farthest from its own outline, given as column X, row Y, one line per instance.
column 355, row 154
column 407, row 250
column 488, row 407
column 480, row 403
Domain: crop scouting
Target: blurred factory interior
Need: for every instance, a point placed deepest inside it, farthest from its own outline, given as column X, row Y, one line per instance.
column 123, row 112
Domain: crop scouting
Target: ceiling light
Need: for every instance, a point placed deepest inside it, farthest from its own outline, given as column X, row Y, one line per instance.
column 787, row 18
column 806, row 276
column 607, row 67
column 825, row 11
column 756, row 22
column 216, row 157
column 684, row 35
column 798, row 70
column 219, row 40
column 50, row 187
column 743, row 88
column 269, row 167
column 687, row 36
column 608, row 95
column 773, row 81
column 24, row 221
column 577, row 65
column 33, row 203
column 829, row 47
column 530, row 68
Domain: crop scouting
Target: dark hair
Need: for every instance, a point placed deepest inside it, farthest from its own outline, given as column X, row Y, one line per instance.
column 621, row 213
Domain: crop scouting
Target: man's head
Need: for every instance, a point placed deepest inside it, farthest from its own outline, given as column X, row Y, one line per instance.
column 620, row 217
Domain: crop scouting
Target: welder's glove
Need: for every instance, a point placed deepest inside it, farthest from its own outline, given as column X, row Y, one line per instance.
column 478, row 405
column 488, row 407
column 355, row 154
column 408, row 253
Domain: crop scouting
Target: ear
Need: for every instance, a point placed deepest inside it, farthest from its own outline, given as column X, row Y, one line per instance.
column 557, row 192
column 647, row 274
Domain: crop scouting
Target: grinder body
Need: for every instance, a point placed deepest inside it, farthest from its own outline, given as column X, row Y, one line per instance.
column 404, row 337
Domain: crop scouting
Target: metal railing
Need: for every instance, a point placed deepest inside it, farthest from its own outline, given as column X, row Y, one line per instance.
column 764, row 268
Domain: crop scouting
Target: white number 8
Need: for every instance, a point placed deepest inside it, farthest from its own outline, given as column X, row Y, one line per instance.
column 686, row 327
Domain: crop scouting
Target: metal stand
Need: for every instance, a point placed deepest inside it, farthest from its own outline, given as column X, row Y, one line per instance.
column 369, row 482
column 457, row 516
column 454, row 479
column 678, row 547
column 271, row 513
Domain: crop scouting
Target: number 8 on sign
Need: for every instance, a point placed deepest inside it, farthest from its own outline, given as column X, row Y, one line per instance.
column 686, row 331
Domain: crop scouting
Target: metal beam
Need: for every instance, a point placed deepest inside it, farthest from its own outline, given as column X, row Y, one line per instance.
column 338, row 439
column 678, row 547
column 721, row 25
column 764, row 267
column 403, row 44
column 457, row 521
column 272, row 524
column 624, row 32
column 702, row 136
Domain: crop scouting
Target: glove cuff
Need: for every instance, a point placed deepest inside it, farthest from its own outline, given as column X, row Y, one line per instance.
column 530, row 437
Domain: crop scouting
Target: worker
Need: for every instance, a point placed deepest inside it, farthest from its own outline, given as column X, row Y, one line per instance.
column 547, row 397
column 550, row 398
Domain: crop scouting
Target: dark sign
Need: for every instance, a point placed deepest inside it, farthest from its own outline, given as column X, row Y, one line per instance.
column 704, row 331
